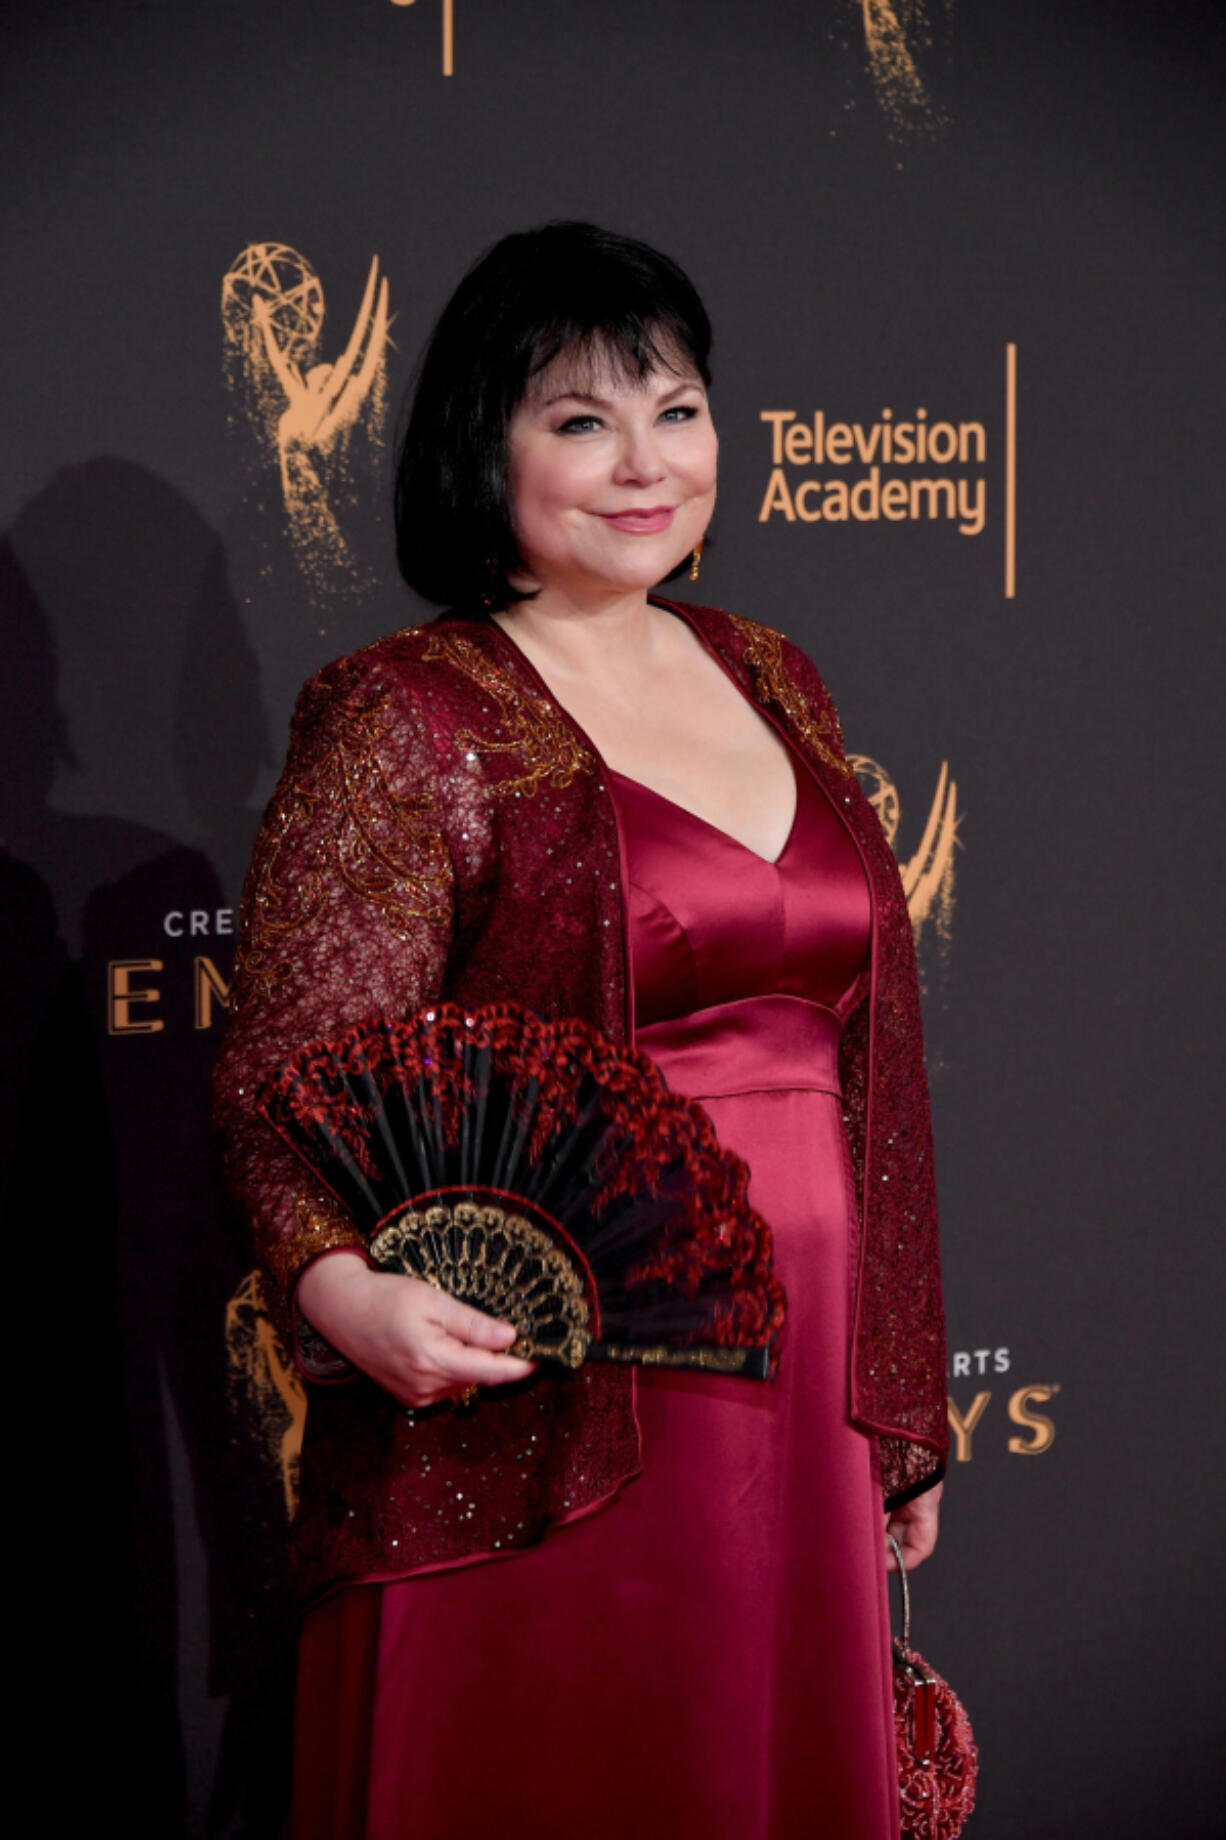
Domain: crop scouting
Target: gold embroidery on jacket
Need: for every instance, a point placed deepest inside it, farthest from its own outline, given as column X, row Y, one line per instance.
column 320, row 1225
column 341, row 820
column 532, row 729
column 764, row 656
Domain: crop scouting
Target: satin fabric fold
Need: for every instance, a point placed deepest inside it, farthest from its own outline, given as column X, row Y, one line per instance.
column 755, row 1044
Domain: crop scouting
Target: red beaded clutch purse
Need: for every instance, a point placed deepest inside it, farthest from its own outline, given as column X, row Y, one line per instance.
column 544, row 1174
column 938, row 1760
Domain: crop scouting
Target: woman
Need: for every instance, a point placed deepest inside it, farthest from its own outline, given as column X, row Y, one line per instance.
column 570, row 792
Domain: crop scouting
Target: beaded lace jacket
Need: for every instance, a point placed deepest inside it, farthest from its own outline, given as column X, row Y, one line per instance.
column 442, row 830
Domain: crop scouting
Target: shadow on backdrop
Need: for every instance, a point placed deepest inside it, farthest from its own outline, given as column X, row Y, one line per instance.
column 132, row 688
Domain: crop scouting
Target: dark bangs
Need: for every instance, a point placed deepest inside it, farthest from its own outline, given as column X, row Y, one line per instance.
column 614, row 302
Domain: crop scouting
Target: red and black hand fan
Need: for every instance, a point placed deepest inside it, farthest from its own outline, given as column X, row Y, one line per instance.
column 544, row 1174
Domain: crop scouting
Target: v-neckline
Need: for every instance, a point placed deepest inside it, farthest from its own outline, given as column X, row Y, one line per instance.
column 678, row 610
column 768, row 862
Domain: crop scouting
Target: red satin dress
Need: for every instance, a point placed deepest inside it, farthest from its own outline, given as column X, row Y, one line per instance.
column 706, row 1656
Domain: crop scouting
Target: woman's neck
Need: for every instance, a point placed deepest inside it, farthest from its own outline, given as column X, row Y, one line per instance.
column 579, row 636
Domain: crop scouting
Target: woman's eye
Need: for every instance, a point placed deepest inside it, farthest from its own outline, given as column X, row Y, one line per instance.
column 579, row 424
column 680, row 412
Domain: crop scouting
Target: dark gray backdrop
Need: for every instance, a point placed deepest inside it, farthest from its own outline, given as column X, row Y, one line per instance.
column 872, row 221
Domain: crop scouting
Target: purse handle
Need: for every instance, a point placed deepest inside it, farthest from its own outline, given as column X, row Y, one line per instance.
column 906, row 1590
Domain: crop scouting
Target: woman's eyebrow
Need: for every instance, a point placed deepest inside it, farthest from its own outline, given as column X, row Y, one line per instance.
column 597, row 402
column 602, row 402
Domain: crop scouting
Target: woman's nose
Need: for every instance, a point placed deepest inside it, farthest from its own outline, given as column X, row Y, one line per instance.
column 639, row 461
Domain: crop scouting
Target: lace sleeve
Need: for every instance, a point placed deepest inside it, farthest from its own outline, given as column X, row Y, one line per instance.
column 346, row 912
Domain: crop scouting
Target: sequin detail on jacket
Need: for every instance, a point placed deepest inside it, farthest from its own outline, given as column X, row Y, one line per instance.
column 335, row 825
column 533, row 732
column 521, row 899
column 814, row 721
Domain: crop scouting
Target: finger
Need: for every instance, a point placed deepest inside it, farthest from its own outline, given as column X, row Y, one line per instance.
column 415, row 1398
column 466, row 1366
column 466, row 1324
column 437, row 1386
column 916, row 1550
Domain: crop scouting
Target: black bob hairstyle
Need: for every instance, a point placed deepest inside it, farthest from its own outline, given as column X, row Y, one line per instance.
column 566, row 286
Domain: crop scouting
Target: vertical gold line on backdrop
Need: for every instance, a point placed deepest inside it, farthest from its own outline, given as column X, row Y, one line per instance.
column 448, row 37
column 1010, row 471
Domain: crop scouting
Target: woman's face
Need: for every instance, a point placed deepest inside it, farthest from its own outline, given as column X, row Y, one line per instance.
column 612, row 478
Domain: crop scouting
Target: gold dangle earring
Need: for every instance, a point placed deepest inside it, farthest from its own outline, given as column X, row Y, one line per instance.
column 695, row 559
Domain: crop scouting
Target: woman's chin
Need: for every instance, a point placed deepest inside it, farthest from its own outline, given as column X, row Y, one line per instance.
column 640, row 573
column 629, row 572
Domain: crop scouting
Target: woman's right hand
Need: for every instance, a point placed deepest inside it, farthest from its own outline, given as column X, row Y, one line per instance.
column 418, row 1343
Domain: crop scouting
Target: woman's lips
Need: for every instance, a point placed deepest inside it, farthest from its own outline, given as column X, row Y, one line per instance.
column 640, row 523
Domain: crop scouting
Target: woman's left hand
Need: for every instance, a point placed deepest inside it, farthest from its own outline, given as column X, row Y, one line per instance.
column 914, row 1526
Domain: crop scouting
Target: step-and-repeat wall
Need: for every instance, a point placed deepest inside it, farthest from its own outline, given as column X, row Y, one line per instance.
column 965, row 268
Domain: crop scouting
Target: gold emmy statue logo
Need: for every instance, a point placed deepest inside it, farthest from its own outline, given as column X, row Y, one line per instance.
column 928, row 874
column 313, row 416
column 264, row 1387
column 896, row 32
